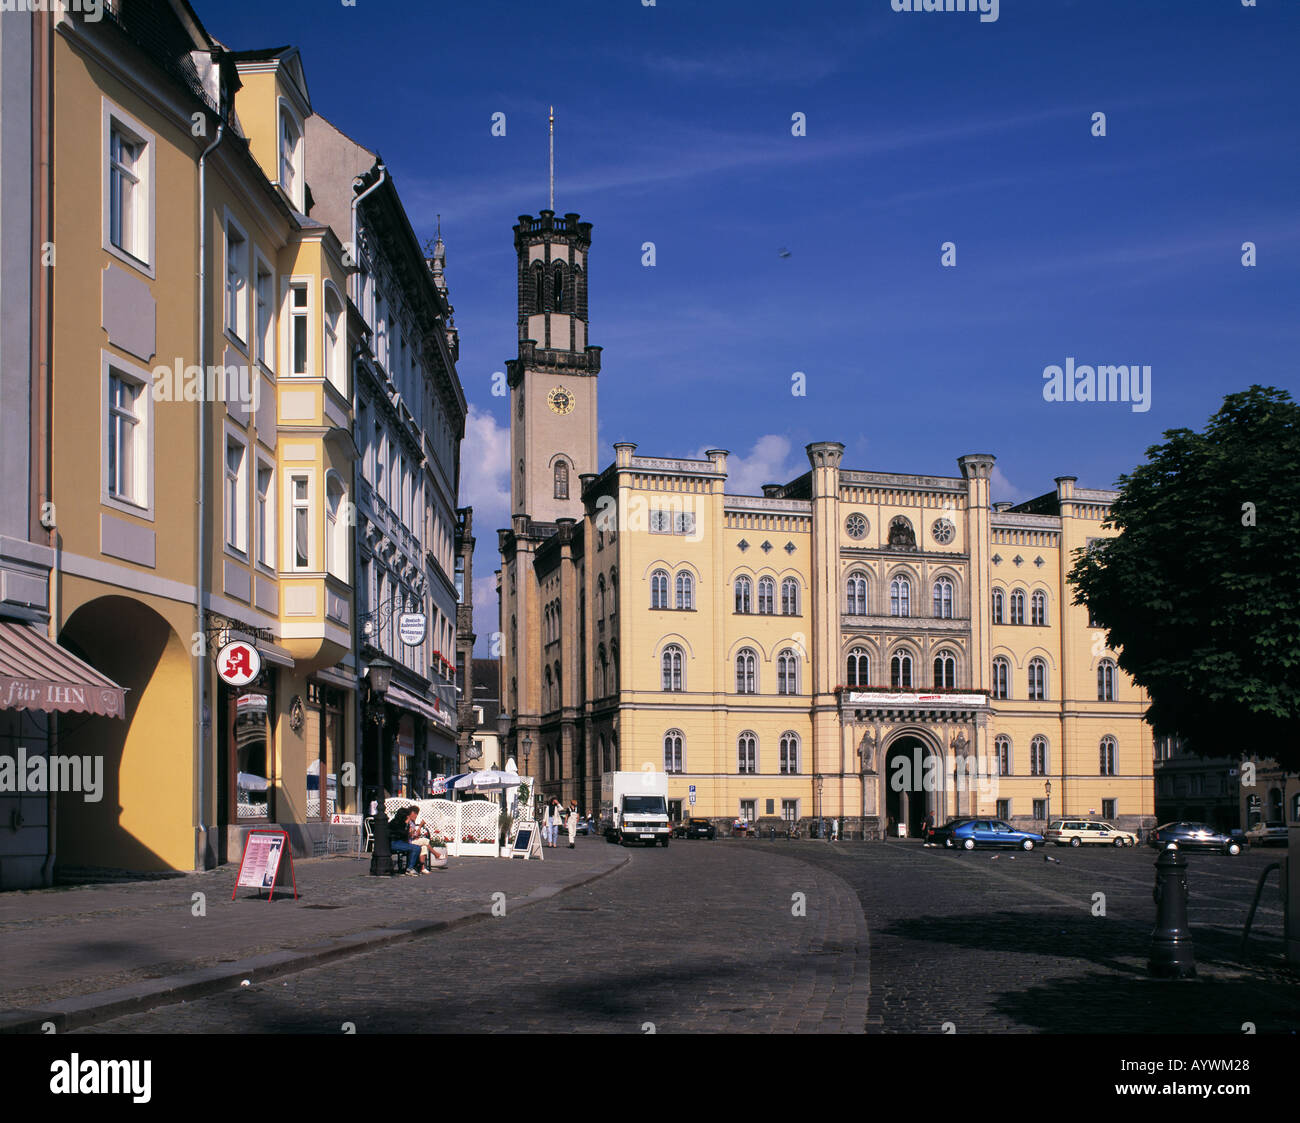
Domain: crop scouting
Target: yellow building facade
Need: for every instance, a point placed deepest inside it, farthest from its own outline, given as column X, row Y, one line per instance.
column 202, row 458
column 862, row 646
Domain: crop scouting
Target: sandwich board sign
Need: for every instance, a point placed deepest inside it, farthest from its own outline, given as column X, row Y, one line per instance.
column 267, row 862
column 528, row 843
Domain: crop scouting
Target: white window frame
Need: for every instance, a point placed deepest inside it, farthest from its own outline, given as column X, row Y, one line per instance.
column 288, row 316
column 784, row 765
column 291, row 508
column 263, row 341
column 144, row 438
column 239, row 545
column 334, row 364
column 336, row 530
column 297, row 161
column 264, row 517
column 236, row 310
column 144, row 232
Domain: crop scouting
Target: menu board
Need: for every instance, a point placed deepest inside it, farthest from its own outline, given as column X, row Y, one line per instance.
column 267, row 862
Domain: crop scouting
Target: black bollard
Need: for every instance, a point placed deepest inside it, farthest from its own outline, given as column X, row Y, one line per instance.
column 1172, row 956
column 381, row 860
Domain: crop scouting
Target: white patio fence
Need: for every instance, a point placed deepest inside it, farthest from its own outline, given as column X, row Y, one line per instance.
column 470, row 826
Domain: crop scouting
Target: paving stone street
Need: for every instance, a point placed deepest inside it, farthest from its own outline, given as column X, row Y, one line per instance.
column 704, row 937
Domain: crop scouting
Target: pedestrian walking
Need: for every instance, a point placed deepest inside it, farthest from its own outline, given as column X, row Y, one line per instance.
column 835, row 830
column 551, row 823
column 573, row 823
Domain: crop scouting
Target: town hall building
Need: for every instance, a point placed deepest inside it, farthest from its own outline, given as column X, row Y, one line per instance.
column 855, row 645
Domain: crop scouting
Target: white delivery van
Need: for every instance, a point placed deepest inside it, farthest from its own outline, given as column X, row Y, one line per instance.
column 634, row 807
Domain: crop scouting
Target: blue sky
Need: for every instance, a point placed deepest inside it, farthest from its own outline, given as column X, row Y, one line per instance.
column 673, row 125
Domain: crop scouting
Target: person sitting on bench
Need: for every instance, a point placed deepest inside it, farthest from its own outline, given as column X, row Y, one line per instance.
column 399, row 838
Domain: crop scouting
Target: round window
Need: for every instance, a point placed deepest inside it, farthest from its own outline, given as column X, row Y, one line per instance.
column 943, row 531
column 856, row 526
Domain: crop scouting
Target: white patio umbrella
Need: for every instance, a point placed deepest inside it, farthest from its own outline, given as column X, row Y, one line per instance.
column 250, row 783
column 489, row 780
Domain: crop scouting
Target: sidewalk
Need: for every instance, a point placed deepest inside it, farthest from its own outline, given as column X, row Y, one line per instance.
column 74, row 956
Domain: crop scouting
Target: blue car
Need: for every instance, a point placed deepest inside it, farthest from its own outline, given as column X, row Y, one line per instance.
column 991, row 832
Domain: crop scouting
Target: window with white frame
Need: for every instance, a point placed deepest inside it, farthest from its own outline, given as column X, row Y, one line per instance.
column 856, row 590
column 900, row 671
column 1017, row 606
column 859, row 668
column 1002, row 751
column 127, row 438
column 790, row 597
column 787, row 672
column 299, row 329
column 128, row 188
column 685, row 591
column 336, row 527
column 672, row 667
column 381, row 462
column 237, row 256
column 335, row 350
column 1001, row 678
column 1038, row 610
column 943, row 598
column 999, row 603
column 1038, row 756
column 748, row 810
column 265, row 514
column 1037, row 680
column 788, row 761
column 766, row 596
column 236, row 493
column 746, row 671
column 659, row 589
column 747, row 753
column 1107, row 752
column 674, row 751
column 1106, row 681
column 264, row 328
column 300, row 498
column 291, row 152
column 945, row 671
column 744, row 592
column 900, row 597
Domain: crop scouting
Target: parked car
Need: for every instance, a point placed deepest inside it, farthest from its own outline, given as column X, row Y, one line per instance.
column 1268, row 834
column 992, row 832
column 586, row 824
column 698, row 828
column 1197, row 836
column 1075, row 832
column 942, row 835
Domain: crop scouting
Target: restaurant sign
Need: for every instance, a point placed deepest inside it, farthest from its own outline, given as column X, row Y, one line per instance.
column 410, row 628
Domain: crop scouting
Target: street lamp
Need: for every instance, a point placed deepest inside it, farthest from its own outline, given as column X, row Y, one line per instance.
column 503, row 733
column 380, row 678
column 1048, row 789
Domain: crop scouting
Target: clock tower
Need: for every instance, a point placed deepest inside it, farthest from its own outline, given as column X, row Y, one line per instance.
column 553, row 381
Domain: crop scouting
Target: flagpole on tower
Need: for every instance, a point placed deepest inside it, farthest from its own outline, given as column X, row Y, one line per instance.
column 552, row 159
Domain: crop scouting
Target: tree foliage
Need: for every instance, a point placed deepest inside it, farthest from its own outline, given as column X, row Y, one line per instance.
column 1200, row 591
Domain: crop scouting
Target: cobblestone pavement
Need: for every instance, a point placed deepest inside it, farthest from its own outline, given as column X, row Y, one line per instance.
column 65, row 944
column 701, row 937
column 1010, row 944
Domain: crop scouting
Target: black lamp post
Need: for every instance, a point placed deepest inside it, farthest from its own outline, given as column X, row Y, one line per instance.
column 1048, row 788
column 380, row 677
column 528, row 749
column 503, row 733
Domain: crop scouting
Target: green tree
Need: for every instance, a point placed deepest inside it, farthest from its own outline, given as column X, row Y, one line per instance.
column 1201, row 588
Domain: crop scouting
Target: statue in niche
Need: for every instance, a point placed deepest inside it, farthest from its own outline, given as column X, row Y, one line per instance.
column 901, row 534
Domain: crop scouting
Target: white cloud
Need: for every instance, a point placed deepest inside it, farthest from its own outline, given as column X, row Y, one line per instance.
column 772, row 459
column 485, row 472
column 1002, row 488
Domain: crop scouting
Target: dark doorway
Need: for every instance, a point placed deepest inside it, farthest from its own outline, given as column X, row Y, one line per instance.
column 910, row 769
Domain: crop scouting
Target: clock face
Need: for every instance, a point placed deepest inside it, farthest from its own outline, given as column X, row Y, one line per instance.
column 560, row 400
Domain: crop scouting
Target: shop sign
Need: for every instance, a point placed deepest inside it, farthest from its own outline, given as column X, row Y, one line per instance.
column 238, row 663
column 411, row 628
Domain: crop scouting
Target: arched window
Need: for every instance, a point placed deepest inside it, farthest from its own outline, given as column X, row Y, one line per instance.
column 557, row 290
column 900, row 671
column 1038, row 756
column 604, row 754
column 613, row 591
column 1018, row 606
column 856, row 588
column 859, row 667
column 900, row 597
column 674, row 751
column 659, row 589
column 746, row 672
column 1107, row 752
column 999, row 615
column 602, row 666
column 744, row 592
column 787, row 672
column 546, row 689
column 747, row 753
column 790, row 597
column 1038, row 610
column 672, row 667
column 600, row 597
column 1002, row 751
column 561, row 479
column 1037, row 680
column 1001, row 678
column 579, row 301
column 766, row 596
column 943, row 598
column 945, row 671
column 539, row 288
column 1105, row 681
column 611, row 686
column 789, row 759
column 685, row 590
column 559, row 693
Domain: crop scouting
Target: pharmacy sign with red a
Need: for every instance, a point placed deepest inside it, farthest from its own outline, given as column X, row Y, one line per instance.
column 238, row 663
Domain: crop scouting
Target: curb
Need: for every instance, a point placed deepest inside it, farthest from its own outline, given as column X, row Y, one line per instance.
column 88, row 1009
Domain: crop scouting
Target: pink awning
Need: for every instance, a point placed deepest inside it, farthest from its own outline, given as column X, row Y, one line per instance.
column 37, row 674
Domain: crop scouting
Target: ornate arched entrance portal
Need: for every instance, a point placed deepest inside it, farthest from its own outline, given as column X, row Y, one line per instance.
column 913, row 778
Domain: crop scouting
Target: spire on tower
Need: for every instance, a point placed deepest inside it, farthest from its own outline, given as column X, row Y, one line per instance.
column 552, row 204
